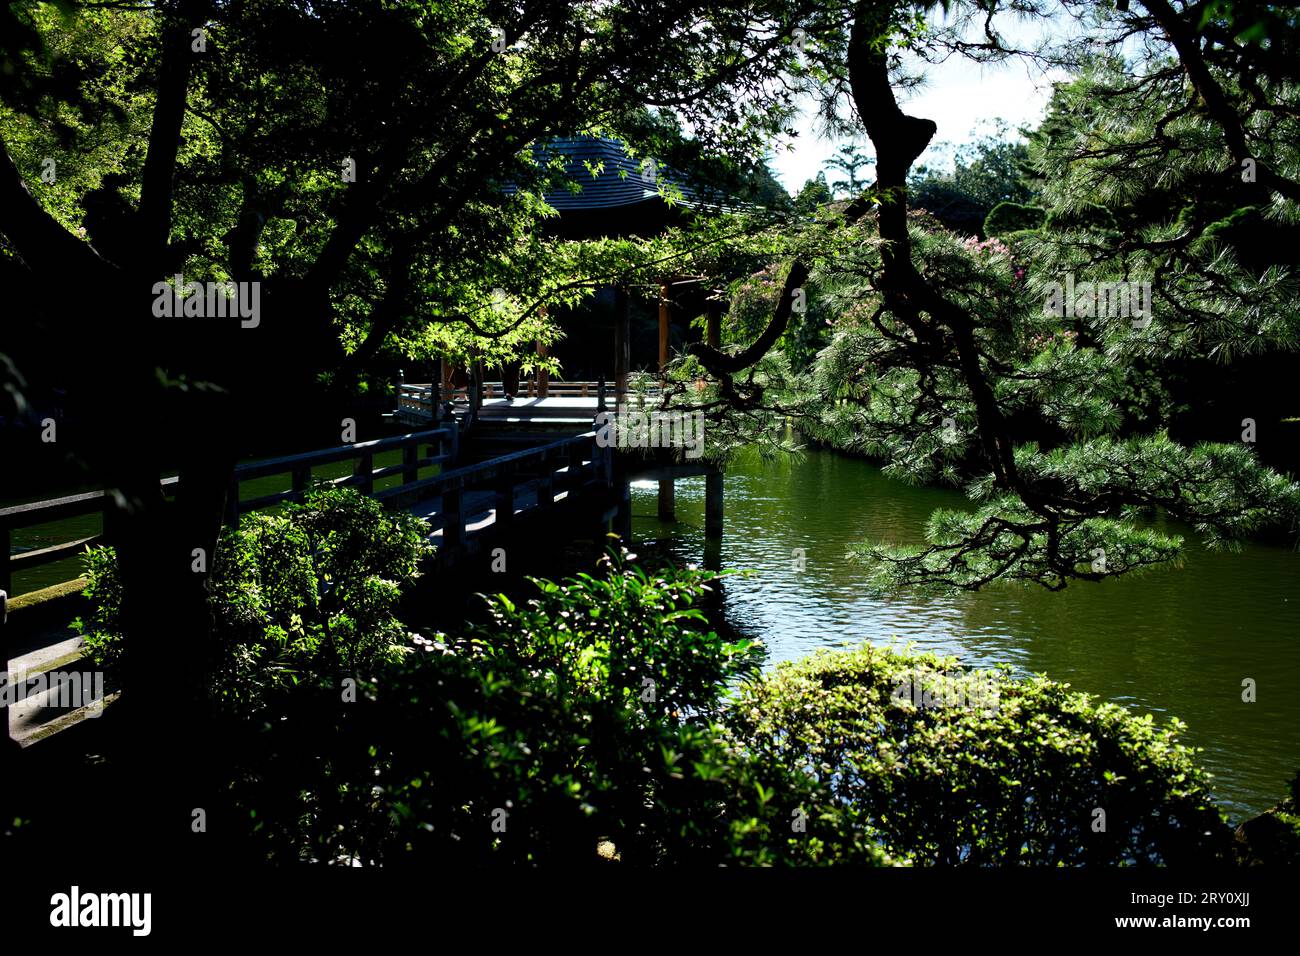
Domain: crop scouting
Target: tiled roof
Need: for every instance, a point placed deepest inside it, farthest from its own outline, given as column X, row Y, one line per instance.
column 621, row 180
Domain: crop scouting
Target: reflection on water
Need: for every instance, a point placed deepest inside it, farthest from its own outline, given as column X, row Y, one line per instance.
column 1176, row 641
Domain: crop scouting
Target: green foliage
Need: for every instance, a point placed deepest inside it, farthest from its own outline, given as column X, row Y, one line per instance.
column 540, row 723
column 642, row 641
column 101, row 628
column 1219, row 489
column 309, row 594
column 1009, row 217
column 985, row 173
column 951, row 766
column 814, row 194
column 1273, row 837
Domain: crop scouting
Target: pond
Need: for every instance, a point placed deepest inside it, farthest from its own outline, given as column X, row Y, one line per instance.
column 1177, row 641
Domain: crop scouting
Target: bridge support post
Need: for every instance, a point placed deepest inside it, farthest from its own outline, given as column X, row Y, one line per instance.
column 713, row 509
column 667, row 500
column 623, row 517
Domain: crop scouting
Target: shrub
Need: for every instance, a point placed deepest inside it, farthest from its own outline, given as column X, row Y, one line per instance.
column 540, row 723
column 309, row 593
column 1273, row 837
column 1011, row 217
column 1010, row 774
column 638, row 640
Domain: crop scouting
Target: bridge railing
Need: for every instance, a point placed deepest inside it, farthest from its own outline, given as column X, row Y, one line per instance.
column 548, row 471
column 364, row 473
column 419, row 399
column 44, row 512
column 299, row 467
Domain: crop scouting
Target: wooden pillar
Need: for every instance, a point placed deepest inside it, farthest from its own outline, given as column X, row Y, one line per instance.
column 6, row 575
column 543, row 376
column 713, row 562
column 623, row 519
column 667, row 496
column 622, row 342
column 475, row 387
column 453, row 518
column 713, row 504
column 667, row 500
column 505, row 503
column 364, row 472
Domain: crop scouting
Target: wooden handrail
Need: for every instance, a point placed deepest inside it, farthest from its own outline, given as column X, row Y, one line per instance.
column 299, row 466
column 495, row 474
column 554, row 467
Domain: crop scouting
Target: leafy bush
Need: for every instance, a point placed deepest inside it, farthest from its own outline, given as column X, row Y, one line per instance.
column 311, row 592
column 1273, row 837
column 638, row 640
column 987, row 769
column 1009, row 217
column 533, row 740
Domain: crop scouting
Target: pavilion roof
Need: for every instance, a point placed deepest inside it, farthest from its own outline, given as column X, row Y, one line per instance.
column 609, row 177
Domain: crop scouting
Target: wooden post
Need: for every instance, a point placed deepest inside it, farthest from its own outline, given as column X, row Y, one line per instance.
column 713, row 504
column 667, row 500
column 622, row 343
column 410, row 462
column 475, row 388
column 505, row 500
column 301, row 479
column 365, row 470
column 623, row 519
column 6, row 575
column 563, row 459
column 451, row 446
column 453, row 518
column 546, row 490
column 543, row 376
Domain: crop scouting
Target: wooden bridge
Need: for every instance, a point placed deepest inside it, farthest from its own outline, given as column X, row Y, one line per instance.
column 478, row 481
column 567, row 482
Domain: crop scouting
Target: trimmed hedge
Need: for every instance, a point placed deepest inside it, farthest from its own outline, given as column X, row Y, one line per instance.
column 946, row 765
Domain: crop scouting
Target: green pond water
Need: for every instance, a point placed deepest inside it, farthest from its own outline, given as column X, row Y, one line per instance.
column 1175, row 641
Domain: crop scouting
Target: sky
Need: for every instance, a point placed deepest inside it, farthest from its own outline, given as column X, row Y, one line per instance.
column 962, row 97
